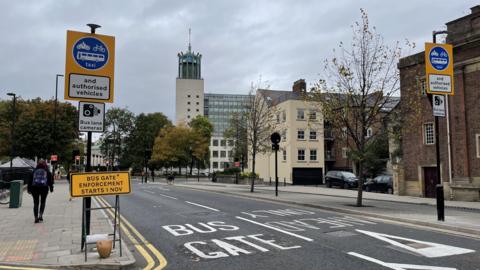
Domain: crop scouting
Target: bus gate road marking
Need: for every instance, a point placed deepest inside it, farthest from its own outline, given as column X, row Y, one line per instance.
column 276, row 229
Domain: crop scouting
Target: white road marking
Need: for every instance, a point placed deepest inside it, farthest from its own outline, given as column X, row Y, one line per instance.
column 399, row 266
column 277, row 229
column 168, row 196
column 213, row 209
column 427, row 249
column 148, row 191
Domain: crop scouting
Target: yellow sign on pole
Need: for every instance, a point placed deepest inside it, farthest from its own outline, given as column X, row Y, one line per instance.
column 89, row 67
column 99, row 183
column 439, row 68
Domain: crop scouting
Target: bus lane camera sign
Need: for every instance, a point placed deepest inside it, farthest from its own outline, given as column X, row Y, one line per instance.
column 439, row 68
column 101, row 183
column 89, row 67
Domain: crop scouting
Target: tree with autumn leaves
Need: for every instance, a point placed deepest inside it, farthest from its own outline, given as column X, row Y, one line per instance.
column 183, row 145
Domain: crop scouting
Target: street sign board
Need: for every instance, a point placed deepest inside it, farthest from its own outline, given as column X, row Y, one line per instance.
column 438, row 105
column 237, row 164
column 91, row 116
column 439, row 68
column 99, row 183
column 53, row 158
column 89, row 67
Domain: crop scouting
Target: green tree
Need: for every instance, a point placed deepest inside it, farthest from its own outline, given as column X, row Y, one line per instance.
column 119, row 124
column 237, row 131
column 142, row 137
column 172, row 147
column 200, row 135
column 34, row 129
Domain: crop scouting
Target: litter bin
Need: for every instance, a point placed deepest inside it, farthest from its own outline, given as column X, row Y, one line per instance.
column 16, row 192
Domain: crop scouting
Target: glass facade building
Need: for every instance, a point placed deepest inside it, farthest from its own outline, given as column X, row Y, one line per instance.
column 219, row 108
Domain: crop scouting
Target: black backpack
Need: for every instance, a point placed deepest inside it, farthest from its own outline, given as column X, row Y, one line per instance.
column 40, row 178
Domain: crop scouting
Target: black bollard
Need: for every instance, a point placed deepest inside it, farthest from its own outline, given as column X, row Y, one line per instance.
column 440, row 203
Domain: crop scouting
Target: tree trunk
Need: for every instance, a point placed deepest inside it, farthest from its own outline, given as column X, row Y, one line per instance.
column 191, row 166
column 360, row 184
column 253, row 176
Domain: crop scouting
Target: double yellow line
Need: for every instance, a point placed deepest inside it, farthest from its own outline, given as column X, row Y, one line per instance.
column 139, row 242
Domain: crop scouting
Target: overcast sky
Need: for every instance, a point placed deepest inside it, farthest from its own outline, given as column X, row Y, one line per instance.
column 281, row 41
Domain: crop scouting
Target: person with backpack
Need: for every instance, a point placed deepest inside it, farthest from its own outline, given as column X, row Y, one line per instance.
column 41, row 182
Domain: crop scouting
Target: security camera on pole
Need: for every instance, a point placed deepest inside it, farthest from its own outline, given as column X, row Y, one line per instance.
column 276, row 138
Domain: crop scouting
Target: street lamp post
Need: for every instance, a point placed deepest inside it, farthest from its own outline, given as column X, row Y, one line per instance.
column 55, row 120
column 12, row 130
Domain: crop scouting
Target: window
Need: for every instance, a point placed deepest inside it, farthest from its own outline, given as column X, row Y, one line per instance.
column 369, row 133
column 313, row 135
column 300, row 114
column 312, row 115
column 477, row 140
column 301, row 154
column 301, row 134
column 230, row 153
column 284, row 116
column 284, row 135
column 188, row 110
column 198, row 96
column 215, row 165
column 313, row 154
column 428, row 134
column 284, row 155
column 198, row 103
column 215, row 153
column 188, row 103
column 221, row 165
column 188, row 96
column 223, row 143
column 198, row 110
column 188, row 116
column 215, row 143
column 278, row 118
column 223, row 154
column 344, row 152
column 423, row 87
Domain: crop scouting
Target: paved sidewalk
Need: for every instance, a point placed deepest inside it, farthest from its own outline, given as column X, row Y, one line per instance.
column 460, row 217
column 55, row 243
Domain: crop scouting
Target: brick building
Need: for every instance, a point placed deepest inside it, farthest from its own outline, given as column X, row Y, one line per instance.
column 417, row 173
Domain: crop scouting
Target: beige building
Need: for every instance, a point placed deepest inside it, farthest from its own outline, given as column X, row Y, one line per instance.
column 189, row 87
column 301, row 158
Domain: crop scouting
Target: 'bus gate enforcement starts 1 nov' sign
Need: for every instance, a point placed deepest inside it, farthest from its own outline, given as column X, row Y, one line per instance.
column 101, row 183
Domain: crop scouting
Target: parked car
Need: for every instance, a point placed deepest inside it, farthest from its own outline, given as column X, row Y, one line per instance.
column 382, row 183
column 342, row 179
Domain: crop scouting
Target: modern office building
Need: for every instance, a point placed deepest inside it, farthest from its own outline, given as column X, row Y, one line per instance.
column 219, row 108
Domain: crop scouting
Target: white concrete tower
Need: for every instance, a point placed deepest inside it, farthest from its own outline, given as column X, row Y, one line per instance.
column 189, row 86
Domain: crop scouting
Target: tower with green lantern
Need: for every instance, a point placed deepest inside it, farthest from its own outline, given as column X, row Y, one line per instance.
column 189, row 86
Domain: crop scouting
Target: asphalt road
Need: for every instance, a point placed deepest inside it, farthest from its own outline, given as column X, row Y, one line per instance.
column 204, row 230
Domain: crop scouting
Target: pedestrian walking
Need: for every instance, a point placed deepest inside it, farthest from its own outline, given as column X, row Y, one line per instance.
column 38, row 186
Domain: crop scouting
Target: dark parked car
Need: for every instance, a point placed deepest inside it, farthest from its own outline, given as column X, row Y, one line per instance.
column 341, row 178
column 382, row 183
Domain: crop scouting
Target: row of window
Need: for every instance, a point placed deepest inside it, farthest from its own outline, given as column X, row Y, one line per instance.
column 223, row 142
column 188, row 96
column 312, row 115
column 301, row 135
column 223, row 154
column 188, row 103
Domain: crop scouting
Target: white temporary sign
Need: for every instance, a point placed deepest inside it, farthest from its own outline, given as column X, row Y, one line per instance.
column 438, row 105
column 91, row 116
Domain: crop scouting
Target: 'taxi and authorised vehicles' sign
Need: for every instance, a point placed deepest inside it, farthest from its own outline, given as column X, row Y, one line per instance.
column 99, row 183
column 439, row 68
column 89, row 67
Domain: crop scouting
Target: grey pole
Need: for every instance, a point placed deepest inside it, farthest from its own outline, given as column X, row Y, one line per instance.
column 12, row 131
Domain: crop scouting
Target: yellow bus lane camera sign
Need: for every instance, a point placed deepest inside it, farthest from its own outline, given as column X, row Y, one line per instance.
column 439, row 68
column 89, row 67
column 99, row 183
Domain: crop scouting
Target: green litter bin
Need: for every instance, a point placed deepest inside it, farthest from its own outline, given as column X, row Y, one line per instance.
column 16, row 192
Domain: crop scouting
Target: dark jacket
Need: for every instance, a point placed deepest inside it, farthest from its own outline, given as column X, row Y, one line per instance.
column 31, row 188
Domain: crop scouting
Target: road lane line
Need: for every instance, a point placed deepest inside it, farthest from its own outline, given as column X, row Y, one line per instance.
column 276, row 229
column 137, row 245
column 168, row 196
column 213, row 209
column 148, row 191
column 160, row 257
